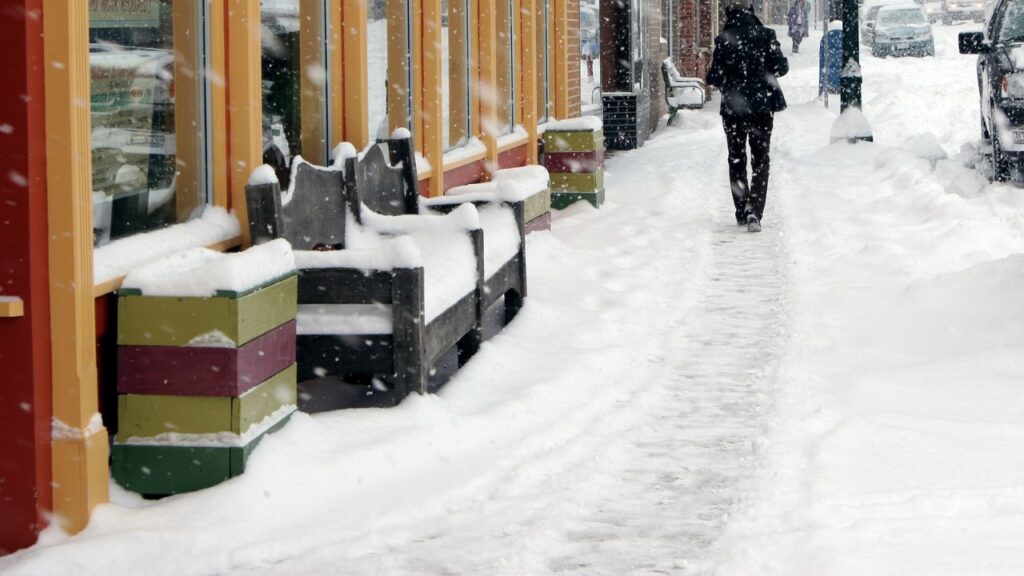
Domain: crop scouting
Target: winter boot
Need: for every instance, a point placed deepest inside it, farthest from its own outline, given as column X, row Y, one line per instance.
column 753, row 225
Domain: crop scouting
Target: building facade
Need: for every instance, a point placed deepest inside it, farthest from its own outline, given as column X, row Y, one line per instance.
column 122, row 117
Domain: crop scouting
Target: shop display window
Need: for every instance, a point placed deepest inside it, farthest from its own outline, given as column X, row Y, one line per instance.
column 294, row 82
column 148, row 94
column 543, row 28
column 590, row 54
column 455, row 62
column 389, row 74
column 506, row 89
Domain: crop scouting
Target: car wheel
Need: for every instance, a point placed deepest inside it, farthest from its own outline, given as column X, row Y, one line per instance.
column 930, row 51
column 1000, row 163
column 947, row 20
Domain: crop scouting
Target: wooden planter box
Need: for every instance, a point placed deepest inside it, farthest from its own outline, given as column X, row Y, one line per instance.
column 537, row 211
column 162, row 469
column 575, row 160
column 202, row 380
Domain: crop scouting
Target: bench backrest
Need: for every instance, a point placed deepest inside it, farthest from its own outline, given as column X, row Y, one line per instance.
column 384, row 179
column 312, row 216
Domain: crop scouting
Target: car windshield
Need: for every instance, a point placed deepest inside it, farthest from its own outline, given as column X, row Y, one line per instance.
column 898, row 17
column 1011, row 29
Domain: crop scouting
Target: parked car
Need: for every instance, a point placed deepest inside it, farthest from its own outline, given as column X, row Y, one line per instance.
column 867, row 19
column 1000, row 50
column 960, row 10
column 933, row 9
column 902, row 29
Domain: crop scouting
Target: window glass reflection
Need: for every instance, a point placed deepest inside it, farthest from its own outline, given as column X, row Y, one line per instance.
column 388, row 75
column 506, row 67
column 543, row 26
column 147, row 93
column 294, row 82
column 590, row 54
column 455, row 72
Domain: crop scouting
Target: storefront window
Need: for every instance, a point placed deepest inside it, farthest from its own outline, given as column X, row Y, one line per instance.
column 295, row 82
column 639, row 37
column 506, row 67
column 455, row 89
column 388, row 66
column 590, row 54
column 148, row 108
column 543, row 60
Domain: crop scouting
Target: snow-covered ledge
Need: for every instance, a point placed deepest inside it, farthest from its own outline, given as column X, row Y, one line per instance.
column 215, row 229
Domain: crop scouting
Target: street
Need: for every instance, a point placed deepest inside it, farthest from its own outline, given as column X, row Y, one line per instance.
column 839, row 394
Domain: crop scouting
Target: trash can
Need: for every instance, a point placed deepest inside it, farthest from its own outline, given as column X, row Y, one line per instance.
column 829, row 72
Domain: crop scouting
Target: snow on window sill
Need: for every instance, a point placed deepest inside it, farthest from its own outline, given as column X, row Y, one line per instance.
column 215, row 229
column 470, row 152
column 517, row 137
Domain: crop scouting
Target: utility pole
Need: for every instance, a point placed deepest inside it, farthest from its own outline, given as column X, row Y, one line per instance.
column 850, row 78
column 851, row 125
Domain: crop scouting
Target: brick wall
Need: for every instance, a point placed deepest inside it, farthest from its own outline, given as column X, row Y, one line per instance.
column 698, row 25
column 656, row 52
column 573, row 48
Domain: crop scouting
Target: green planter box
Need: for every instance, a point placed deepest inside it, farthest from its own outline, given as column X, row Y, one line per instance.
column 537, row 205
column 573, row 140
column 223, row 320
column 148, row 415
column 577, row 182
column 159, row 469
column 560, row 200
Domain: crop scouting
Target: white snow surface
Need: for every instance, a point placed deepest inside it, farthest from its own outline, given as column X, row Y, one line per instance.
column 839, row 394
column 389, row 254
column 501, row 237
column 121, row 256
column 582, row 123
column 508, row 184
column 263, row 175
column 200, row 272
column 444, row 244
column 530, row 179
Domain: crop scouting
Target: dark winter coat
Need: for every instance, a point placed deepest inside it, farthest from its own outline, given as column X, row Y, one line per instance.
column 796, row 18
column 746, row 65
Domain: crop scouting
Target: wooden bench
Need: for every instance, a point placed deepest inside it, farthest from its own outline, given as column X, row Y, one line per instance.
column 502, row 216
column 681, row 92
column 368, row 295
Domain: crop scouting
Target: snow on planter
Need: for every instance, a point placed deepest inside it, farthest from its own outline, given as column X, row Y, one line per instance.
column 574, row 157
column 534, row 183
column 527, row 184
column 206, row 365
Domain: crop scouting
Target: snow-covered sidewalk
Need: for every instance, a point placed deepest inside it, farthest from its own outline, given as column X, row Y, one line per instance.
column 836, row 395
column 896, row 444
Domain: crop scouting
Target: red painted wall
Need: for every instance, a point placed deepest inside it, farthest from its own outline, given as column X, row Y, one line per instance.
column 465, row 174
column 25, row 395
column 513, row 157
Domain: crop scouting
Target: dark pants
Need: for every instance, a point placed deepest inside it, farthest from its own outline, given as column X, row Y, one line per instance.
column 796, row 43
column 757, row 128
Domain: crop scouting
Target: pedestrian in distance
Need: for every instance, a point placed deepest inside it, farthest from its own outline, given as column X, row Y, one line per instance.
column 745, row 67
column 796, row 18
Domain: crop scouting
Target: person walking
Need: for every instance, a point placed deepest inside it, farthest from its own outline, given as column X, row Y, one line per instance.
column 745, row 67
column 796, row 18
